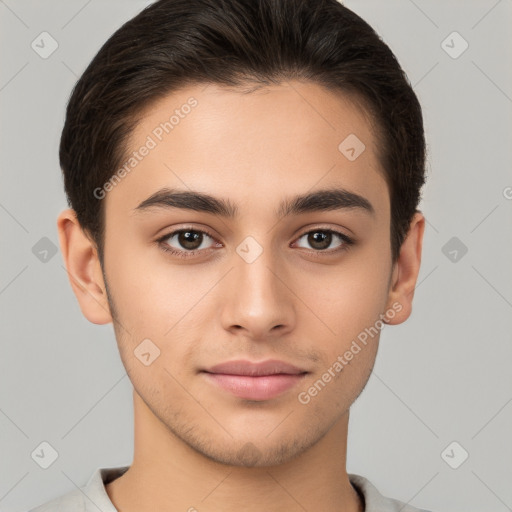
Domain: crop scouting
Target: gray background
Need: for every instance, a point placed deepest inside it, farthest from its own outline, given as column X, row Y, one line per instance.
column 443, row 376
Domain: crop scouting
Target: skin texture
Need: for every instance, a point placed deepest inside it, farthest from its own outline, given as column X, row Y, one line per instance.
column 198, row 446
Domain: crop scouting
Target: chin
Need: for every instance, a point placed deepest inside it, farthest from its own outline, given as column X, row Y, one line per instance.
column 253, row 452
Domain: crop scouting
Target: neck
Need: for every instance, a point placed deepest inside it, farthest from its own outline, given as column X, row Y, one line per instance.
column 168, row 474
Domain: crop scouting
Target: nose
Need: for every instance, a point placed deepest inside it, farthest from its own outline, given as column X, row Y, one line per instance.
column 258, row 298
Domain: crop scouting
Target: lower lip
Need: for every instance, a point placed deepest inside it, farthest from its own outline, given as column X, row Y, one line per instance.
column 263, row 387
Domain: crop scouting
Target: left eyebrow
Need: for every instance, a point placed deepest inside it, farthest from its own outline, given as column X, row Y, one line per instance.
column 325, row 200
column 319, row 200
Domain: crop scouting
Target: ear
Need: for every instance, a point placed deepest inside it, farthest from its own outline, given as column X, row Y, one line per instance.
column 83, row 268
column 405, row 272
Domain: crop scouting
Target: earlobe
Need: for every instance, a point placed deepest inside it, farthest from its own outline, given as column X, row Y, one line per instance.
column 83, row 268
column 405, row 272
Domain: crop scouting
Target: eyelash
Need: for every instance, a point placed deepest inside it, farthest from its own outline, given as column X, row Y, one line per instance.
column 347, row 242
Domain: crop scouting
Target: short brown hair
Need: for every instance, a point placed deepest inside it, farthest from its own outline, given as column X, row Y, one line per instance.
column 175, row 43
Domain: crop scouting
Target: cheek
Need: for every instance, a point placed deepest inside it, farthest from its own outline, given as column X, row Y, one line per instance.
column 152, row 296
column 337, row 385
column 344, row 300
column 161, row 303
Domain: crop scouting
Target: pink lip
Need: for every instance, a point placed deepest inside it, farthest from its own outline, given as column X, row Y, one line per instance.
column 255, row 381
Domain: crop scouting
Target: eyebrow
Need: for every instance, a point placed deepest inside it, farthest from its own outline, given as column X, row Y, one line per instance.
column 319, row 200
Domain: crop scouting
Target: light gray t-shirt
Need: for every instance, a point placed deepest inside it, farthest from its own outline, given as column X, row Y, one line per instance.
column 93, row 497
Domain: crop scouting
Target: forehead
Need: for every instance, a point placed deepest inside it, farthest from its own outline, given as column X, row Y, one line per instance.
column 252, row 147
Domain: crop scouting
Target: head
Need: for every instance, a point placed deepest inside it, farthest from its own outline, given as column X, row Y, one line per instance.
column 282, row 111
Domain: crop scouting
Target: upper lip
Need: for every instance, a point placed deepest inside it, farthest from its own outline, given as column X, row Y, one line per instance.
column 268, row 367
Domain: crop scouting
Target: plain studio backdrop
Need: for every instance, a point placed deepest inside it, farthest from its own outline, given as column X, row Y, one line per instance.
column 433, row 426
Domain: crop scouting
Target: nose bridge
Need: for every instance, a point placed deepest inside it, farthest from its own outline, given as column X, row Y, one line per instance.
column 258, row 298
column 255, row 270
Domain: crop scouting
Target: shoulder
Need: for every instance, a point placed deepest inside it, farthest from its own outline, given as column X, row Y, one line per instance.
column 89, row 498
column 375, row 501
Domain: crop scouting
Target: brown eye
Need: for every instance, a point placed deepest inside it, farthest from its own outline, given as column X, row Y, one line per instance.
column 186, row 242
column 190, row 240
column 321, row 240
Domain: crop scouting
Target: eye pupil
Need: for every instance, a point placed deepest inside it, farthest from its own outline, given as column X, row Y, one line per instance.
column 188, row 239
column 321, row 237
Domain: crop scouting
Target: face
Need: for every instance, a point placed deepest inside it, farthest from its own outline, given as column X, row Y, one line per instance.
column 256, row 276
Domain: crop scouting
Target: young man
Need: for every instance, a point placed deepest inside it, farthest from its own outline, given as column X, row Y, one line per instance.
column 243, row 177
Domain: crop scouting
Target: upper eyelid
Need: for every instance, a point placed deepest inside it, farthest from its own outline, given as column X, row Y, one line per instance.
column 179, row 230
